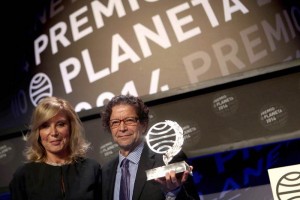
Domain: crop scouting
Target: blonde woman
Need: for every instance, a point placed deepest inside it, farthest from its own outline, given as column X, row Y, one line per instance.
column 57, row 166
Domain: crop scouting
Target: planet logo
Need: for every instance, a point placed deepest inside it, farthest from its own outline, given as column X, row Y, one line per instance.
column 108, row 150
column 225, row 104
column 7, row 152
column 40, row 87
column 165, row 138
column 273, row 116
column 288, row 186
column 191, row 134
column 285, row 182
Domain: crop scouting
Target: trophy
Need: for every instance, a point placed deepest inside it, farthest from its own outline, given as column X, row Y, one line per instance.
column 166, row 138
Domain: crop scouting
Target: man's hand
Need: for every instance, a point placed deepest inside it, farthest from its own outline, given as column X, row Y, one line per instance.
column 173, row 181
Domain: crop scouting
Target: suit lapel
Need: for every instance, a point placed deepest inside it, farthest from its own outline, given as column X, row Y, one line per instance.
column 111, row 172
column 147, row 161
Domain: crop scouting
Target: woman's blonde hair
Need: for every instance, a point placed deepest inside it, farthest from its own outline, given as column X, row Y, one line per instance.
column 47, row 108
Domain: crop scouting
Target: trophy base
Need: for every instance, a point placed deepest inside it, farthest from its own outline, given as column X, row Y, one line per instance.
column 161, row 171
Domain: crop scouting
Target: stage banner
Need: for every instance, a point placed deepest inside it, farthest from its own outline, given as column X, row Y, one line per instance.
column 90, row 51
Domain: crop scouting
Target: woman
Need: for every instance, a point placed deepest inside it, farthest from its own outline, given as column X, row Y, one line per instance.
column 57, row 166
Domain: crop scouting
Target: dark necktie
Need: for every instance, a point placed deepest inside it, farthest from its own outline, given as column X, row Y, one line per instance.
column 125, row 181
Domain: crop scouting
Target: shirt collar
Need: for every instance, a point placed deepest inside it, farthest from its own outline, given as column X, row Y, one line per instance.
column 135, row 155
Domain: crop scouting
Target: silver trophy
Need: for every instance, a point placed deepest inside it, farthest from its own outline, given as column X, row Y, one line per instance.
column 166, row 138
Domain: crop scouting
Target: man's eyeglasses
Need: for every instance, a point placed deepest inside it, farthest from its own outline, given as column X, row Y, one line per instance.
column 129, row 121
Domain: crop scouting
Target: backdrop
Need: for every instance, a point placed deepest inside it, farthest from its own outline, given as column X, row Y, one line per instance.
column 89, row 51
column 227, row 71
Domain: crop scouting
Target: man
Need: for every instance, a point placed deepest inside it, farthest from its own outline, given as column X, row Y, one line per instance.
column 126, row 118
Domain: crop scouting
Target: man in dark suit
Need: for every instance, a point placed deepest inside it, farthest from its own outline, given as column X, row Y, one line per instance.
column 126, row 118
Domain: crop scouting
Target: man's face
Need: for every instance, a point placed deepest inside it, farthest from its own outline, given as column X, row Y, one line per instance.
column 126, row 129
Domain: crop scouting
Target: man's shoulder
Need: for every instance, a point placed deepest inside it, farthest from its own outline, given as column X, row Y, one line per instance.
column 110, row 164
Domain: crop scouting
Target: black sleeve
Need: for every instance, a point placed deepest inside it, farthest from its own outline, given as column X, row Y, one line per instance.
column 98, row 183
column 17, row 185
column 188, row 190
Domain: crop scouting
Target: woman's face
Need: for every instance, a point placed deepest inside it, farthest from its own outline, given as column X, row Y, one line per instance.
column 55, row 135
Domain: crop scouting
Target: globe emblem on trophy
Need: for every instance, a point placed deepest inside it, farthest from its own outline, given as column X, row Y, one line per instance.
column 166, row 138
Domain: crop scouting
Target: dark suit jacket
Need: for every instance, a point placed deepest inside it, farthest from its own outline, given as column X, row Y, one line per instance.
column 143, row 189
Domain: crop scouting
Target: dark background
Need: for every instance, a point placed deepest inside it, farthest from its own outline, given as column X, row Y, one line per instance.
column 17, row 22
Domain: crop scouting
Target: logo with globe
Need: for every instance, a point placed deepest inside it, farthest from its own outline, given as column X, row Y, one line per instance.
column 285, row 182
column 166, row 138
column 40, row 87
column 288, row 186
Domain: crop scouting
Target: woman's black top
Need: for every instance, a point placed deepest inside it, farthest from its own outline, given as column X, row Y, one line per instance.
column 41, row 181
